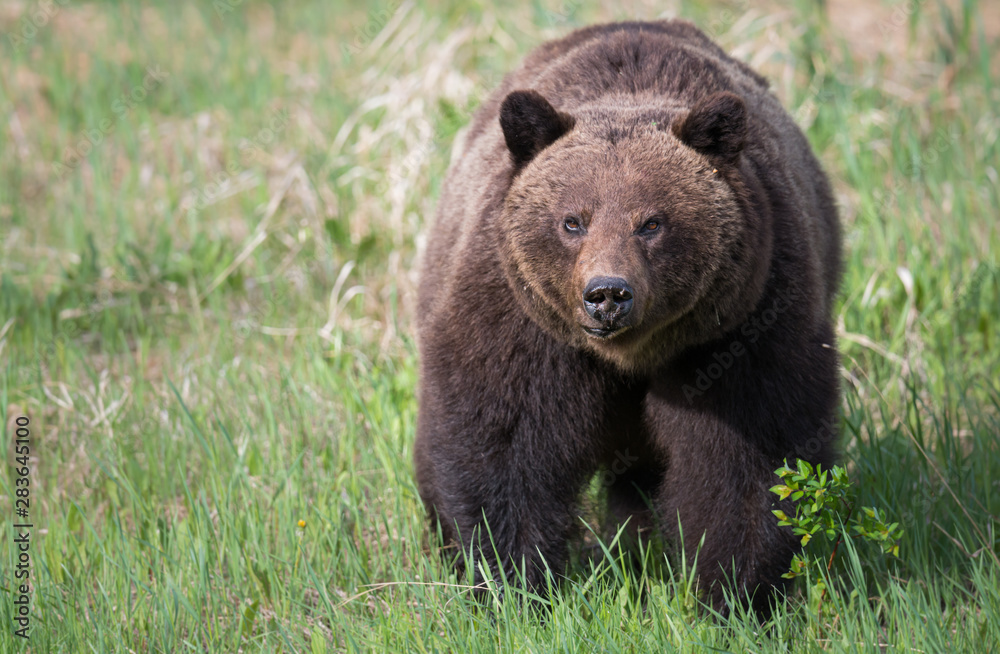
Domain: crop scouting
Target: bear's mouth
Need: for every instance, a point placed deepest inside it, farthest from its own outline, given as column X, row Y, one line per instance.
column 604, row 333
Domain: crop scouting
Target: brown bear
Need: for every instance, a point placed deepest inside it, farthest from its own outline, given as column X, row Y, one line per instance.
column 631, row 271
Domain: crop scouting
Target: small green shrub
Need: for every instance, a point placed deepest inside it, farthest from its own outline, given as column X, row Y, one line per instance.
column 825, row 506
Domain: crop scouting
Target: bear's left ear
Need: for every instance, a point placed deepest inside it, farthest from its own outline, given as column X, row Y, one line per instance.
column 716, row 126
column 530, row 124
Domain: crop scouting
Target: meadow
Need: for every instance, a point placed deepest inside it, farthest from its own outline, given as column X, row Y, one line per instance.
column 211, row 215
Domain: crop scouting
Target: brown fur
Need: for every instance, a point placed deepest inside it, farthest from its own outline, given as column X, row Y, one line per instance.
column 612, row 127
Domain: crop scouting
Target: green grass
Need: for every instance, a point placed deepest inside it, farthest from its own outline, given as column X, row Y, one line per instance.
column 182, row 323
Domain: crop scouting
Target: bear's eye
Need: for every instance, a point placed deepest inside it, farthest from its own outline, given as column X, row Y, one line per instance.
column 572, row 224
column 651, row 226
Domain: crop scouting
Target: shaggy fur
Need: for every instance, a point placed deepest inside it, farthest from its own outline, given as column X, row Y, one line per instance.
column 642, row 153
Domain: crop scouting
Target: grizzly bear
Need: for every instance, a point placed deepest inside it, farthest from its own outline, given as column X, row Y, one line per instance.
column 631, row 269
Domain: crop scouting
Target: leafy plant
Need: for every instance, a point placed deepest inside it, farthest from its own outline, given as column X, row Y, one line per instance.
column 824, row 505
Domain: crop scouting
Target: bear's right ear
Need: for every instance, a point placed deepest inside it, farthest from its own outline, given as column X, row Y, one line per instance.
column 530, row 124
column 716, row 126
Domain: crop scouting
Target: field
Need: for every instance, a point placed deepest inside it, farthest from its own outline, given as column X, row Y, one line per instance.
column 210, row 218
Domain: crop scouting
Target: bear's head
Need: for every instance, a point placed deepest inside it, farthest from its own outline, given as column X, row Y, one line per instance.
column 633, row 229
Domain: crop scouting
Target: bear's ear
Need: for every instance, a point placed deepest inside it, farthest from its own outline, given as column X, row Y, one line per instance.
column 530, row 124
column 716, row 126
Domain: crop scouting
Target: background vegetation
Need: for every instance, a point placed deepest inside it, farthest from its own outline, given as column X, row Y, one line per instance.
column 210, row 214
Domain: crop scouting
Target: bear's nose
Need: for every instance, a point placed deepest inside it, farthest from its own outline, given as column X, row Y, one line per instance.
column 607, row 299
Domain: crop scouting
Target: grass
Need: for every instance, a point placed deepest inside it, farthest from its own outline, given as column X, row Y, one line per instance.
column 206, row 313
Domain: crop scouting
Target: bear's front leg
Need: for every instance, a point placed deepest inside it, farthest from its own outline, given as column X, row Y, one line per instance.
column 506, row 506
column 723, row 447
column 717, row 488
column 503, row 449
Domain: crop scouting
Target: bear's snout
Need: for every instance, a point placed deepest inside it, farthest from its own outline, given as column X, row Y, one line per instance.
column 608, row 300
